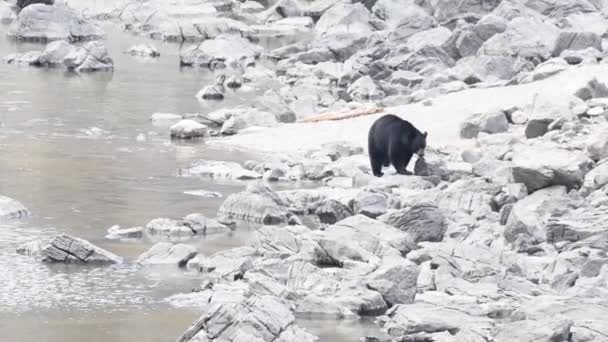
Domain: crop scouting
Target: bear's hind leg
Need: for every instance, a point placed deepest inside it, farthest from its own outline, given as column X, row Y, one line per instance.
column 376, row 166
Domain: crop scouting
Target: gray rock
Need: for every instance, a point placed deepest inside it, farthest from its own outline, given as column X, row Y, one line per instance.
column 214, row 53
column 524, row 37
column 258, row 206
column 212, row 92
column 39, row 22
column 596, row 178
column 426, row 61
column 483, row 68
column 488, row 123
column 544, row 70
column 528, row 215
column 424, row 222
column 258, row 318
column 68, row 249
column 365, row 89
column 597, row 145
column 537, row 128
column 569, row 40
column 12, row 209
column 577, row 225
column 55, row 53
column 550, row 329
column 168, row 228
column 370, row 204
column 592, row 89
column 331, row 211
column 188, row 129
column 396, row 280
column 345, row 18
column 241, row 118
column 542, row 166
column 165, row 253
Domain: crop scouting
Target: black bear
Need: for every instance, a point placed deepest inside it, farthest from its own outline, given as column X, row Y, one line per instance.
column 394, row 140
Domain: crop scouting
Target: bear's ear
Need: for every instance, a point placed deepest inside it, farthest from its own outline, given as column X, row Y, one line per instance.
column 425, row 134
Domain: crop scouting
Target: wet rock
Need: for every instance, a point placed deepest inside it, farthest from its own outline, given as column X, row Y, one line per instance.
column 258, row 318
column 165, row 253
column 27, row 58
column 117, row 233
column 230, row 264
column 424, row 222
column 219, row 170
column 259, row 206
column 12, row 209
column 143, row 50
column 370, row 204
column 542, row 166
column 55, row 53
column 67, row 249
column 488, row 123
column 188, row 129
column 213, row 92
column 214, row 53
column 331, row 211
column 39, row 22
column 165, row 119
column 30, row 249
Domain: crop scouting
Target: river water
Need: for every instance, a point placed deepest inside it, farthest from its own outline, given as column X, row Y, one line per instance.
column 69, row 152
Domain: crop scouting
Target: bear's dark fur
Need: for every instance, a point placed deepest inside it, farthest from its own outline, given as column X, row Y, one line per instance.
column 393, row 140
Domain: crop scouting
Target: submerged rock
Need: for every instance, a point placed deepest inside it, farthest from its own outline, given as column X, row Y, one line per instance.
column 143, row 50
column 117, row 233
column 220, row 170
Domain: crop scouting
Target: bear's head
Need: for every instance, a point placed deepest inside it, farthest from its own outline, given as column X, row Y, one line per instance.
column 419, row 143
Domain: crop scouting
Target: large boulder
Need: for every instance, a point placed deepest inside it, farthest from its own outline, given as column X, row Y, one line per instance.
column 568, row 40
column 577, row 225
column 257, row 318
column 425, row 222
column 490, row 123
column 597, row 145
column 541, row 166
column 213, row 53
column 528, row 215
column 396, row 280
column 39, row 22
column 467, row 41
column 258, row 205
column 524, row 37
column 67, row 249
column 12, row 209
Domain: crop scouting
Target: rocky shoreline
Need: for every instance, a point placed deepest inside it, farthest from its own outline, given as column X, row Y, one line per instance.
column 501, row 234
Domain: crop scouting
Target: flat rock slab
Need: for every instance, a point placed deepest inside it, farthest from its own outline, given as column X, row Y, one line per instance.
column 68, row 249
